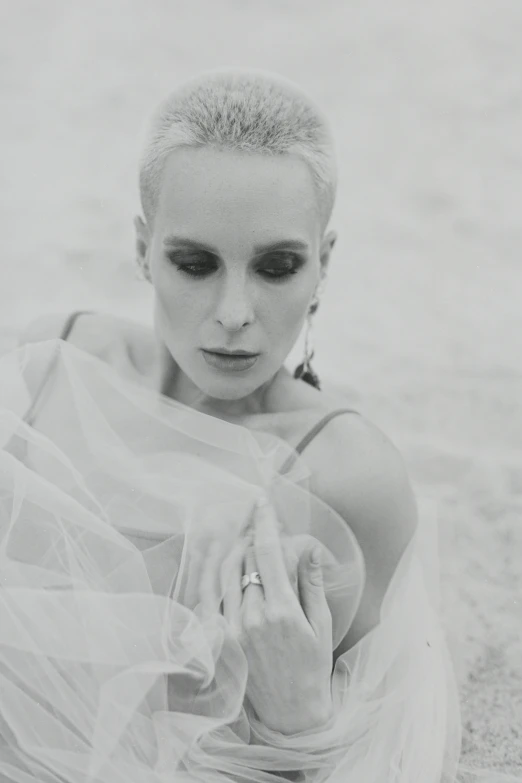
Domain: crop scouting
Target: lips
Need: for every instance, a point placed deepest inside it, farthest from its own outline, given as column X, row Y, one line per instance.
column 230, row 353
column 227, row 362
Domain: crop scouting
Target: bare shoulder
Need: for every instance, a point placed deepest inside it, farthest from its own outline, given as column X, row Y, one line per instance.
column 358, row 471
column 354, row 450
column 46, row 326
column 351, row 458
column 101, row 334
column 104, row 336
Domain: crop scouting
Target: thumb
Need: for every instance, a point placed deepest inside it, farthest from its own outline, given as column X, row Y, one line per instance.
column 311, row 590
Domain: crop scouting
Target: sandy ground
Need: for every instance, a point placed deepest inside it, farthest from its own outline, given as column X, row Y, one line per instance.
column 421, row 322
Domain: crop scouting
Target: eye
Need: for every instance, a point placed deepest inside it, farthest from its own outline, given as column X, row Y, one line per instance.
column 193, row 264
column 280, row 265
column 275, row 266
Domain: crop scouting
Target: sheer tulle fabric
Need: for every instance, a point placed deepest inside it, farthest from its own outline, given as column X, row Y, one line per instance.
column 109, row 669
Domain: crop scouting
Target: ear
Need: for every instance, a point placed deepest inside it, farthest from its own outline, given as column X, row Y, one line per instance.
column 327, row 245
column 142, row 241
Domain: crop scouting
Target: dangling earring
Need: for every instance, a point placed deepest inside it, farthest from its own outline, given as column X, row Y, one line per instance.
column 304, row 371
column 142, row 271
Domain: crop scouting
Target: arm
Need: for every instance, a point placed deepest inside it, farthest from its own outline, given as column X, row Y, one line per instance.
column 367, row 484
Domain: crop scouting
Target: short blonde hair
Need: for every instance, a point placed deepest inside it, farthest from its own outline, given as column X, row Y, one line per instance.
column 244, row 110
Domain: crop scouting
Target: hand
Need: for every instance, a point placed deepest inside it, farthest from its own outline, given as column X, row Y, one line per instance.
column 286, row 635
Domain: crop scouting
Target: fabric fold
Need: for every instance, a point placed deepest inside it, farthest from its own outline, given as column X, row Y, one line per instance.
column 109, row 671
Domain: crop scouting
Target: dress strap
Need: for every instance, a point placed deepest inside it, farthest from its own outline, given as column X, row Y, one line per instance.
column 303, row 443
column 69, row 323
column 66, row 330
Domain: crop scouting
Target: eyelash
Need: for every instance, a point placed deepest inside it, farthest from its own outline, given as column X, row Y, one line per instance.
column 209, row 267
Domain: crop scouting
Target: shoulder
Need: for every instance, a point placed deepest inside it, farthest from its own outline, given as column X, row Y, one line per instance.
column 358, row 471
column 351, row 456
column 49, row 326
column 358, row 457
column 97, row 333
column 46, row 326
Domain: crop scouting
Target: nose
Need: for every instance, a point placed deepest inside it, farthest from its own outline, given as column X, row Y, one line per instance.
column 234, row 307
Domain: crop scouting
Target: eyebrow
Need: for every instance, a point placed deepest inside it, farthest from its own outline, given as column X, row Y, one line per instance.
column 288, row 244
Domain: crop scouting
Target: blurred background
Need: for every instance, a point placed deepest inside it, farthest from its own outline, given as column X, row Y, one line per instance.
column 421, row 321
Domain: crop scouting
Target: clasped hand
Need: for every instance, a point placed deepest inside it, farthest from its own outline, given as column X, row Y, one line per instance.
column 283, row 626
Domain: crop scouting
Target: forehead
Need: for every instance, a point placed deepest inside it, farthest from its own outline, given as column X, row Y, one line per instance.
column 213, row 194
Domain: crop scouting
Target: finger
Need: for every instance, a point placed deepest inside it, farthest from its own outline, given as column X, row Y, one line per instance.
column 194, row 567
column 291, row 555
column 209, row 589
column 232, row 593
column 269, row 554
column 293, row 548
column 253, row 595
column 311, row 591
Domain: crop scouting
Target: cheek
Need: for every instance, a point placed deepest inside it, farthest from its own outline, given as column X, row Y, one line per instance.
column 177, row 308
column 285, row 314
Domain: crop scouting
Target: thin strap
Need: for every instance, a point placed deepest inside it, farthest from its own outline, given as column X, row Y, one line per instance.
column 71, row 320
column 66, row 330
column 303, row 443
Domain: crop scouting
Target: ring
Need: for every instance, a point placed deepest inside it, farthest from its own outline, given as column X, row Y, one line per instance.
column 251, row 579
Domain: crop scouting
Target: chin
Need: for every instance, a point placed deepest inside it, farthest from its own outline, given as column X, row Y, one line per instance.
column 230, row 388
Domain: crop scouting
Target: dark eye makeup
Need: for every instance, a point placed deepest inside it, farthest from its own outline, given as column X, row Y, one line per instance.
column 278, row 265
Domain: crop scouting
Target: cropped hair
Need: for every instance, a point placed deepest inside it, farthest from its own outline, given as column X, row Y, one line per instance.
column 240, row 110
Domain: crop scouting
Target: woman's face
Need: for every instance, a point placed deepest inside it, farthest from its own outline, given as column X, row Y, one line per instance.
column 235, row 255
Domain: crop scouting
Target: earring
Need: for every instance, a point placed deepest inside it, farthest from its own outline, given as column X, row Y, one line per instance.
column 142, row 271
column 304, row 370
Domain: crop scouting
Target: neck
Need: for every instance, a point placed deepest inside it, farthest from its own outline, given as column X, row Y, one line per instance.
column 172, row 382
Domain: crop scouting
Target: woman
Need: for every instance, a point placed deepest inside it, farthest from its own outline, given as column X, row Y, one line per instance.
column 213, row 569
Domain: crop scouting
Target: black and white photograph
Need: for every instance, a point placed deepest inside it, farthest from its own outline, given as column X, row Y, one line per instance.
column 261, row 391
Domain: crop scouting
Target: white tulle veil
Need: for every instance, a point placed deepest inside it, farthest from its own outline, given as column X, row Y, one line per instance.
column 110, row 672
